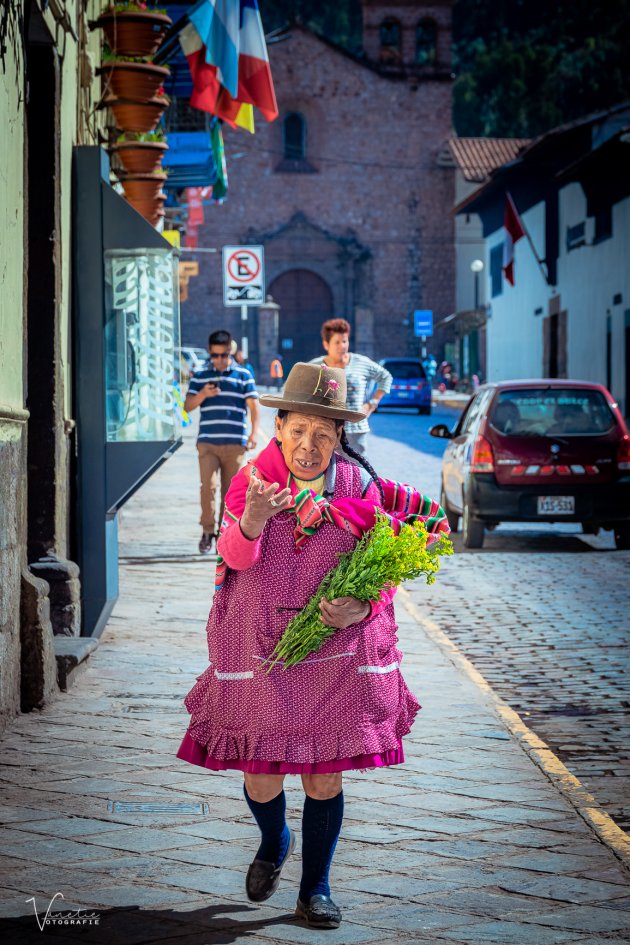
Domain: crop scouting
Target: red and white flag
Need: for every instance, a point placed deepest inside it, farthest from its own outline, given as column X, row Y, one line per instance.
column 514, row 230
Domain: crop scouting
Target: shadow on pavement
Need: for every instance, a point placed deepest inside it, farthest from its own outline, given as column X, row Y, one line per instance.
column 210, row 925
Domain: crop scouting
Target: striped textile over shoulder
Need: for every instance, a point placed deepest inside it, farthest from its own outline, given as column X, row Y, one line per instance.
column 363, row 376
column 223, row 419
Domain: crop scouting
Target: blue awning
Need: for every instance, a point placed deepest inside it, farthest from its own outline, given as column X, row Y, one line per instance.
column 189, row 160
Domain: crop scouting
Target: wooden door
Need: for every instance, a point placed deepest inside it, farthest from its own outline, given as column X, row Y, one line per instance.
column 305, row 302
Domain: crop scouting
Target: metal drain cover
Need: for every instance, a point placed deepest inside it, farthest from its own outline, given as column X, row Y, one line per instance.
column 153, row 807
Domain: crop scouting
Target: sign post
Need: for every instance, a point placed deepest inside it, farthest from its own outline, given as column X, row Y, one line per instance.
column 243, row 282
column 423, row 327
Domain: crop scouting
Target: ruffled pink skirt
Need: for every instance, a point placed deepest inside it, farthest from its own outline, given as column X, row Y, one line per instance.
column 196, row 754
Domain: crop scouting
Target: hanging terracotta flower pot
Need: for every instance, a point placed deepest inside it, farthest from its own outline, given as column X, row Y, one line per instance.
column 139, row 157
column 142, row 186
column 136, row 80
column 151, row 209
column 133, row 32
column 133, row 115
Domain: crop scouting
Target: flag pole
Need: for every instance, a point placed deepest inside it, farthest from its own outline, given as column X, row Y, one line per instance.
column 170, row 41
column 541, row 265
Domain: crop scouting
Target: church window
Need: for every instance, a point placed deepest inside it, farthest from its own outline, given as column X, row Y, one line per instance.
column 294, row 132
column 426, row 42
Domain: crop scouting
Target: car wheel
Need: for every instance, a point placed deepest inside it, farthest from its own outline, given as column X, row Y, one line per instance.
column 453, row 517
column 425, row 410
column 473, row 531
column 622, row 536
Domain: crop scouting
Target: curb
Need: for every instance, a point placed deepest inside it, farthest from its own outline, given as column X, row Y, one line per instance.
column 612, row 836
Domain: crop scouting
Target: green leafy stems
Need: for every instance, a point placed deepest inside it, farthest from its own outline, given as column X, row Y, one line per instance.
column 113, row 58
column 133, row 6
column 380, row 559
column 131, row 137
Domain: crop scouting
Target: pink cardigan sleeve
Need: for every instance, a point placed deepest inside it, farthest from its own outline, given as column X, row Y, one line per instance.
column 238, row 552
column 387, row 596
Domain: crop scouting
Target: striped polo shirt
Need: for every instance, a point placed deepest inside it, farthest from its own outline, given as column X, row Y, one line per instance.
column 223, row 418
column 363, row 376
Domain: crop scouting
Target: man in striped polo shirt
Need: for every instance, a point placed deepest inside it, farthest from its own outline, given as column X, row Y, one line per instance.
column 361, row 375
column 224, row 391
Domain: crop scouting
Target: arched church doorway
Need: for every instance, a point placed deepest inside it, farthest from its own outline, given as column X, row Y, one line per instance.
column 305, row 301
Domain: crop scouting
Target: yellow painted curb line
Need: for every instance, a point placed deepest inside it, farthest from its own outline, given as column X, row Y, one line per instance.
column 541, row 754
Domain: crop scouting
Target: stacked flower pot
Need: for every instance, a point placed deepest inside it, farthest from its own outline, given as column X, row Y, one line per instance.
column 132, row 91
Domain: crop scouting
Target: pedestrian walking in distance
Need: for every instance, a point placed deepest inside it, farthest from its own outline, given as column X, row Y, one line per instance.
column 362, row 376
column 240, row 358
column 225, row 392
column 288, row 514
column 276, row 372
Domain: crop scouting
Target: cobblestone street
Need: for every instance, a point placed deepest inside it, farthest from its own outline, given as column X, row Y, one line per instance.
column 555, row 649
column 543, row 613
column 469, row 841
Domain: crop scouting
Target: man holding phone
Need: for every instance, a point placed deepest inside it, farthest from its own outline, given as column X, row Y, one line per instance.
column 225, row 392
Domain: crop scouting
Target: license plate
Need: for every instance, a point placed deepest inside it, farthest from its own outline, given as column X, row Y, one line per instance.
column 556, row 505
column 402, row 393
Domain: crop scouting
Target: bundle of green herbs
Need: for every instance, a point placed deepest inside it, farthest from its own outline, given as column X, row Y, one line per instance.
column 380, row 559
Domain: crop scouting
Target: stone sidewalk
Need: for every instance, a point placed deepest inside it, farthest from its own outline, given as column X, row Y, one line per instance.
column 468, row 842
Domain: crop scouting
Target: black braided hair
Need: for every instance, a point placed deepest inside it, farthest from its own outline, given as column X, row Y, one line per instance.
column 345, row 446
column 352, row 453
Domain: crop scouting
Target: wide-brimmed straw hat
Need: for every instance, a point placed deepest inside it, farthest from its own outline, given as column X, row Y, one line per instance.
column 315, row 389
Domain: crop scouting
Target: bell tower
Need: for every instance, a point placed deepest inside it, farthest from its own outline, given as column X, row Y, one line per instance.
column 402, row 35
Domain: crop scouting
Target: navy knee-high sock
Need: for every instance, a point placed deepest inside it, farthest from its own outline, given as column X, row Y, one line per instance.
column 321, row 825
column 270, row 817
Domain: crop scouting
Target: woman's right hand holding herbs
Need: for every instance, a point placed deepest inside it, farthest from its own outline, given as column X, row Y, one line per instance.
column 261, row 504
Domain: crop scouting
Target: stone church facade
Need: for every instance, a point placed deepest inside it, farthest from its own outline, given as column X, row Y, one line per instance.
column 345, row 190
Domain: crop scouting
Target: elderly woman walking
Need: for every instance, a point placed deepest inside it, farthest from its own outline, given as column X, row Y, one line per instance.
column 288, row 514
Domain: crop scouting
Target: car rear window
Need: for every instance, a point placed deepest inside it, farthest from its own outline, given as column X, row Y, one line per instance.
column 552, row 412
column 405, row 370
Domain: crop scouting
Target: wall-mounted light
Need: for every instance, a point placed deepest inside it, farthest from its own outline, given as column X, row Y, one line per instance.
column 476, row 267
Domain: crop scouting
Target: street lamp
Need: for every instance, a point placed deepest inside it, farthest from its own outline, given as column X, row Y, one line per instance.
column 476, row 267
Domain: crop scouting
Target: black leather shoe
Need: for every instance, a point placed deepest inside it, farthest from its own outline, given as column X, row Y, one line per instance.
column 263, row 877
column 320, row 912
column 205, row 543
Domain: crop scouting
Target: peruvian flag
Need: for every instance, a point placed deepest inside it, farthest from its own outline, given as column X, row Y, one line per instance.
column 514, row 230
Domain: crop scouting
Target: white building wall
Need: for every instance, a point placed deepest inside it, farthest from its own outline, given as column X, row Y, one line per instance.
column 514, row 331
column 589, row 278
column 469, row 245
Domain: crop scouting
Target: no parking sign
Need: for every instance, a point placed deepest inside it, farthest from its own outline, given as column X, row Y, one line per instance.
column 243, row 275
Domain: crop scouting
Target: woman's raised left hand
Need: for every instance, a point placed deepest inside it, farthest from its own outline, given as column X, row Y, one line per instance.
column 342, row 612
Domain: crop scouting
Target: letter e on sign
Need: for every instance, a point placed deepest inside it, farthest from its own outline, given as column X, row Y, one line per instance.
column 243, row 275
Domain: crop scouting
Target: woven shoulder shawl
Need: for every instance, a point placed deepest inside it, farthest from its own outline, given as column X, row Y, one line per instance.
column 402, row 505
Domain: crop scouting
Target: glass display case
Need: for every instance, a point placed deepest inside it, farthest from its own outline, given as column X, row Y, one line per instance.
column 141, row 334
column 127, row 399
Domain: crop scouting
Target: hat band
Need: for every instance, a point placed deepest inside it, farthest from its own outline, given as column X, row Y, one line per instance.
column 308, row 397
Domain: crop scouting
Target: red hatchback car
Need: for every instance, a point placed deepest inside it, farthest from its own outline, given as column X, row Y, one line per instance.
column 537, row 451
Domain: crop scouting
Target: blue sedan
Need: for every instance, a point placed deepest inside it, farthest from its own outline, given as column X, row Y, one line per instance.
column 410, row 387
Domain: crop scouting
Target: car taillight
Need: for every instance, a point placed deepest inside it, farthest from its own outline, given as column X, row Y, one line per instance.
column 483, row 457
column 623, row 453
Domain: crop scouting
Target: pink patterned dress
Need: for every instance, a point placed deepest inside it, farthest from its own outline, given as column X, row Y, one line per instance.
column 346, row 706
